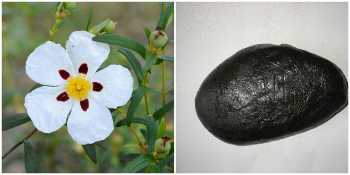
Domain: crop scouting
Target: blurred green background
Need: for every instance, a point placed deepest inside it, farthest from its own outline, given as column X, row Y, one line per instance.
column 21, row 34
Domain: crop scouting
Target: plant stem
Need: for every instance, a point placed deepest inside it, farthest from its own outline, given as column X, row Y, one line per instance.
column 19, row 143
column 132, row 128
column 163, row 71
column 146, row 100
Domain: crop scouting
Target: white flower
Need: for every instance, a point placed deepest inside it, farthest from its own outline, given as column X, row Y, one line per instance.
column 78, row 88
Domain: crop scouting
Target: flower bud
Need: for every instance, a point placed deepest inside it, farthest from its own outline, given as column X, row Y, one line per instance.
column 110, row 27
column 158, row 38
column 162, row 145
column 69, row 5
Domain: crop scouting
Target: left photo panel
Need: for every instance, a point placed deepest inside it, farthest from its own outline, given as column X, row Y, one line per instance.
column 88, row 87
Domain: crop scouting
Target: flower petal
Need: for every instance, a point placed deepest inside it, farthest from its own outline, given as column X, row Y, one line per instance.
column 81, row 49
column 49, row 64
column 115, row 87
column 48, row 108
column 92, row 125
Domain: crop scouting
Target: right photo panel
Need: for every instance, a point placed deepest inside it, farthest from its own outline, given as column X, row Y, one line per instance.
column 262, row 87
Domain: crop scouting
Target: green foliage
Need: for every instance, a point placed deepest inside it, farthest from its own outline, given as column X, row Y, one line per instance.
column 67, row 22
column 147, row 32
column 45, row 25
column 150, row 57
column 31, row 161
column 153, row 168
column 129, row 157
column 89, row 19
column 163, row 21
column 135, row 101
column 168, row 90
column 161, row 164
column 151, row 132
column 135, row 64
column 35, row 87
column 11, row 121
column 161, row 129
column 96, row 29
column 90, row 150
column 122, row 41
column 122, row 122
column 139, row 163
column 160, row 112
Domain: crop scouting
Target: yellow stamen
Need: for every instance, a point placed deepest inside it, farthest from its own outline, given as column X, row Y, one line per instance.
column 77, row 88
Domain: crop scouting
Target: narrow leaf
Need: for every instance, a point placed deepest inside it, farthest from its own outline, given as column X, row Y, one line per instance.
column 135, row 101
column 153, row 168
column 146, row 31
column 168, row 90
column 150, row 90
column 35, row 87
column 122, row 41
column 145, row 135
column 14, row 120
column 139, row 163
column 150, row 57
column 100, row 144
column 122, row 122
column 90, row 150
column 129, row 157
column 31, row 161
column 59, row 6
column 115, row 113
column 97, row 28
column 89, row 19
column 45, row 25
column 161, row 129
column 73, row 10
column 169, row 58
column 163, row 21
column 151, row 132
column 161, row 164
column 160, row 112
column 63, row 23
column 135, row 64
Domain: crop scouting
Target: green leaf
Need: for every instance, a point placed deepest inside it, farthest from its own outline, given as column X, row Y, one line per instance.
column 153, row 168
column 122, row 41
column 150, row 90
column 146, row 31
column 59, row 5
column 97, row 28
column 115, row 113
column 73, row 10
column 89, row 19
column 100, row 144
column 169, row 58
column 90, row 150
column 145, row 135
column 168, row 90
column 139, row 163
column 45, row 25
column 35, row 87
column 150, row 57
column 135, row 64
column 129, row 157
column 122, row 122
column 163, row 21
column 31, row 161
column 161, row 164
column 135, row 101
column 161, row 129
column 11, row 121
column 63, row 23
column 160, row 112
column 151, row 132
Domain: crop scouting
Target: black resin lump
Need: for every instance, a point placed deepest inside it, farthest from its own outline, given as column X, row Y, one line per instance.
column 267, row 92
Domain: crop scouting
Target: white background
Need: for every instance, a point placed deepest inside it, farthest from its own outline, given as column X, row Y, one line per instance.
column 209, row 33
